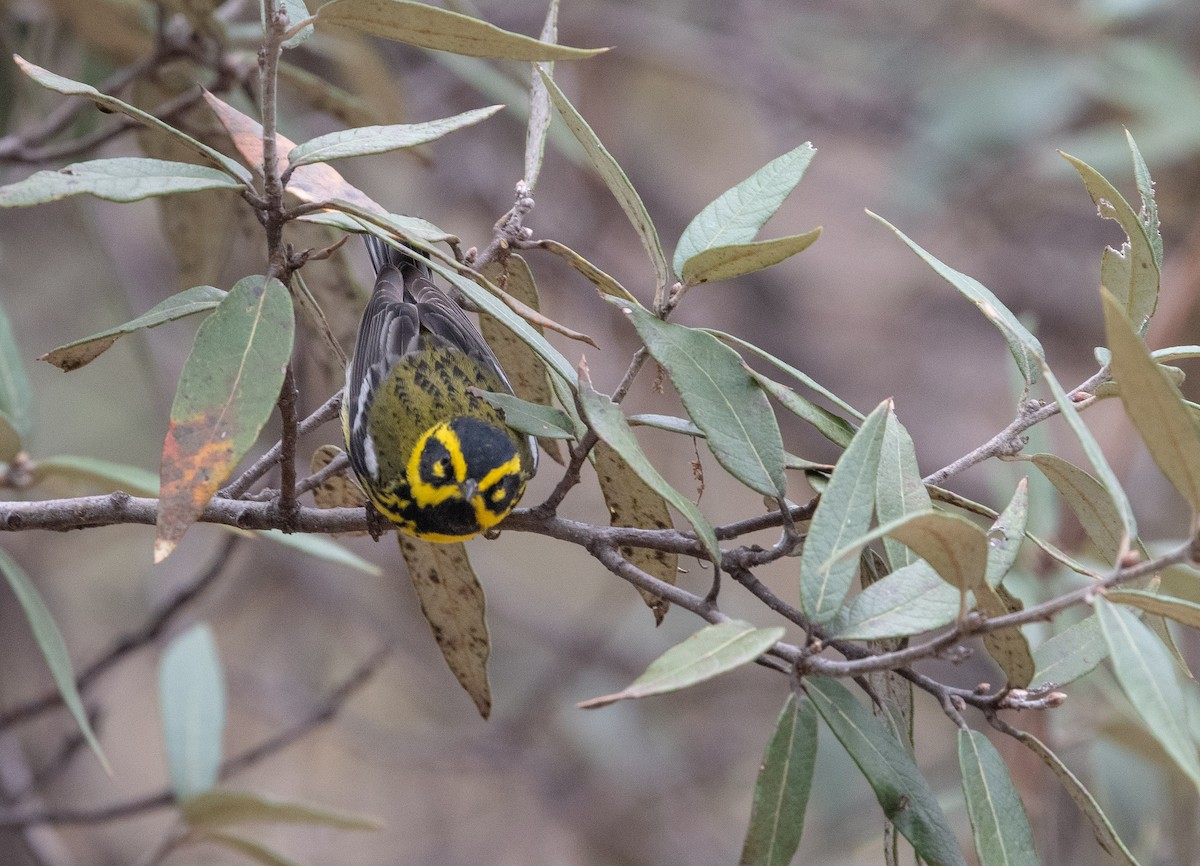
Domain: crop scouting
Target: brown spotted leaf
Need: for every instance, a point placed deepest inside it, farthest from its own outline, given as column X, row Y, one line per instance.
column 632, row 502
column 1008, row 647
column 525, row 370
column 338, row 490
column 225, row 395
column 454, row 605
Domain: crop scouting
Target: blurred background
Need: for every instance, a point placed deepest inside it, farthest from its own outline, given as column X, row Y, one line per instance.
column 943, row 117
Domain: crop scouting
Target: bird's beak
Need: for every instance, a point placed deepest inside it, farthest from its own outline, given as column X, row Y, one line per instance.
column 468, row 489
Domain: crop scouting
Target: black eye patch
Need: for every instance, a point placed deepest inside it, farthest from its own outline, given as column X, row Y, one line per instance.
column 436, row 466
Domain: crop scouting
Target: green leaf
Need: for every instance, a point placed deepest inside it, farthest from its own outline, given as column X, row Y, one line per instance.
column 1173, row 353
column 489, row 303
column 1024, row 346
column 843, row 514
column 1154, row 404
column 1070, row 654
column 191, row 689
column 430, row 27
column 16, row 395
column 105, row 473
column 121, row 179
column 721, row 397
column 1186, row 612
column 1148, row 215
column 606, row 419
column 998, row 821
column 906, row 798
column 366, row 140
column 58, row 83
column 713, row 650
column 899, row 489
column 54, row 649
column 453, row 603
column 295, row 11
column 1091, row 448
column 735, row 216
column 789, row 370
column 539, row 104
column 320, row 547
column 952, row 544
column 910, row 600
column 1131, row 273
column 735, row 260
column 1102, row 829
column 533, row 419
column 781, row 792
column 1146, row 673
column 198, row 299
column 217, row 808
column 834, row 428
column 227, row 391
column 1088, row 500
column 1006, row 534
column 666, row 422
column 618, row 184
column 603, row 282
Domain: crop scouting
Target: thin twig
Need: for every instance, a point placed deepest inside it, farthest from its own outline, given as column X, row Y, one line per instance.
column 321, row 714
column 149, row 632
column 238, row 487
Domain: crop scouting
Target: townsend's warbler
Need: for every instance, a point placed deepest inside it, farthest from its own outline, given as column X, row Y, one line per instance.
column 433, row 457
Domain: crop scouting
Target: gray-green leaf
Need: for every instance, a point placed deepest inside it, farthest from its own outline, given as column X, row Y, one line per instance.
column 713, row 650
column 721, row 397
column 1131, row 273
column 998, row 820
column 736, row 215
column 533, row 419
column 430, row 27
column 1146, row 672
column 16, row 396
column 74, row 355
column 843, row 514
column 366, row 140
column 192, row 698
column 906, row 798
column 910, row 600
column 781, row 792
column 1025, row 348
column 1154, row 404
column 54, row 648
column 121, row 179
column 616, row 180
column 735, row 260
column 606, row 419
column 899, row 489
column 216, row 809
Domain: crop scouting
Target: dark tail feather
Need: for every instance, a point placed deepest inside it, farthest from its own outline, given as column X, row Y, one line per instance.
column 383, row 254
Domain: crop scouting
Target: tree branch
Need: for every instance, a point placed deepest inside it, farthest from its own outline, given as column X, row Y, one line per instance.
column 321, row 714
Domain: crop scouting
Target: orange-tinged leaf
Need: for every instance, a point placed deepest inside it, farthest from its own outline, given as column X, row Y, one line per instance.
column 308, row 182
column 226, row 393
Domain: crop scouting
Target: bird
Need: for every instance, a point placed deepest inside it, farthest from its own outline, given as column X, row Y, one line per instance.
column 432, row 455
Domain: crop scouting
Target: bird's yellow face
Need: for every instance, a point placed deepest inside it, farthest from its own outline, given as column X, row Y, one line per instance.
column 464, row 477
